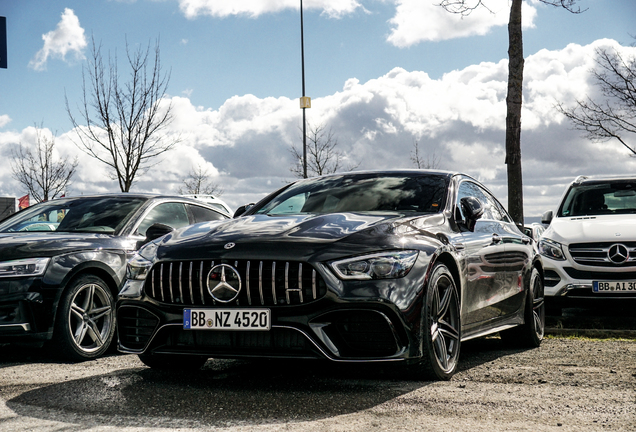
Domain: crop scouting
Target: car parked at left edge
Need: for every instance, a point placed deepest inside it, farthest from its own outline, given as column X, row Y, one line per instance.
column 62, row 261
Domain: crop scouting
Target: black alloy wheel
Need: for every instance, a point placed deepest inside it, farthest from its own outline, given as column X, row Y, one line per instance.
column 85, row 323
column 441, row 332
column 530, row 334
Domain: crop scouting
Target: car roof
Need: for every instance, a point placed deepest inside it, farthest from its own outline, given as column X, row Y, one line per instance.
column 603, row 179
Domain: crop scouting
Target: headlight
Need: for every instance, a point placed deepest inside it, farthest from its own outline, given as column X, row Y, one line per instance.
column 386, row 265
column 24, row 267
column 138, row 268
column 136, row 272
column 551, row 249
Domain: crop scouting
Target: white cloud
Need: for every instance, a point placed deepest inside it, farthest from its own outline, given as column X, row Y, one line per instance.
column 67, row 38
column 417, row 21
column 254, row 8
column 4, row 120
column 460, row 118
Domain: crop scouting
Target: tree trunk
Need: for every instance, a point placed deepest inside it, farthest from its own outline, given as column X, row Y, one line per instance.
column 513, row 116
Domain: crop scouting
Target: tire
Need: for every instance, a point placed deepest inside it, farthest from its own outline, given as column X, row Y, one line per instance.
column 174, row 362
column 441, row 329
column 530, row 334
column 85, row 322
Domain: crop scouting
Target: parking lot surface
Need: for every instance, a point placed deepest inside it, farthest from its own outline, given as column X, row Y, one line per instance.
column 565, row 385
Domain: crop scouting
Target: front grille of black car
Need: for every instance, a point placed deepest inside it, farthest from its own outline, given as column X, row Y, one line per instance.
column 278, row 342
column 595, row 254
column 264, row 283
column 135, row 327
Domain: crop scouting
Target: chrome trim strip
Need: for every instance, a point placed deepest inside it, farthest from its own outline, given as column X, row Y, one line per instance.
column 190, row 282
column 247, row 283
column 274, row 280
column 161, row 282
column 180, row 283
column 260, row 282
column 170, row 284
column 24, row 326
column 313, row 283
column 201, row 282
column 287, row 281
column 152, row 282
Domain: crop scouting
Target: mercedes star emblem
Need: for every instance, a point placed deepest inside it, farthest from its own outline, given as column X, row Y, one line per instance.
column 224, row 283
column 618, row 253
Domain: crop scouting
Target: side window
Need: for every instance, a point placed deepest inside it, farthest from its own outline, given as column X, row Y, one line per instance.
column 171, row 214
column 202, row 214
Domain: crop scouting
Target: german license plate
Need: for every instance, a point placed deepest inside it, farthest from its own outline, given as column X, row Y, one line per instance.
column 227, row 319
column 614, row 286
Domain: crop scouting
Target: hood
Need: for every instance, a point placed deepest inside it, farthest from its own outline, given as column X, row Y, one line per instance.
column 48, row 244
column 589, row 229
column 290, row 237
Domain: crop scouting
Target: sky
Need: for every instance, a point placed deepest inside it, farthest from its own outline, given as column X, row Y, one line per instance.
column 383, row 75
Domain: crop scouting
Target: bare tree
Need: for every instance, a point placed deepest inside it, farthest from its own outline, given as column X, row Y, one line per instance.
column 430, row 162
column 197, row 183
column 515, row 89
column 124, row 121
column 43, row 177
column 323, row 156
column 613, row 117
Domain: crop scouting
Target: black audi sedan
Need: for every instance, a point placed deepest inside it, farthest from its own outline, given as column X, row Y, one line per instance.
column 62, row 261
column 393, row 266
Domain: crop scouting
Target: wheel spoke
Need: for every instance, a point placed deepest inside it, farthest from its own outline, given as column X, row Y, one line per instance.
column 80, row 333
column 97, row 313
column 441, row 351
column 445, row 303
column 88, row 300
column 94, row 334
column 77, row 311
column 448, row 330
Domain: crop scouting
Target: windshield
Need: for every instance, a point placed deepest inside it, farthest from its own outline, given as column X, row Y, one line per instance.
column 361, row 193
column 100, row 215
column 600, row 198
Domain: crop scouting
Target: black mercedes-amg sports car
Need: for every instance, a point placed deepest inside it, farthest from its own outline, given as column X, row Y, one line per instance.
column 62, row 261
column 391, row 266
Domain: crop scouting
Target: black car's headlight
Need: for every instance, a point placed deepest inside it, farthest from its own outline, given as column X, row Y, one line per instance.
column 137, row 270
column 382, row 265
column 551, row 249
column 24, row 267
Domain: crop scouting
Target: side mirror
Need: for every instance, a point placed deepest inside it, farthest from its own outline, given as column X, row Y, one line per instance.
column 157, row 230
column 546, row 218
column 242, row 209
column 473, row 209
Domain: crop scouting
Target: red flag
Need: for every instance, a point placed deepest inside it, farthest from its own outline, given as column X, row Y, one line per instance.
column 23, row 202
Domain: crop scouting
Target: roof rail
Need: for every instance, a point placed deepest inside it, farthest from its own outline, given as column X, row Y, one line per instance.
column 579, row 179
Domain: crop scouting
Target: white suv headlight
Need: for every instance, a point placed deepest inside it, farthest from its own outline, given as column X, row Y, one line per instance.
column 384, row 265
column 551, row 249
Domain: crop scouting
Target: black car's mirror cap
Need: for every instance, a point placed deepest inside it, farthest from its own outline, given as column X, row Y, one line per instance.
column 546, row 218
column 473, row 209
column 242, row 209
column 157, row 230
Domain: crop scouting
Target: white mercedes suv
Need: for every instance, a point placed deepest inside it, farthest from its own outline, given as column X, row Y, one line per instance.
column 589, row 249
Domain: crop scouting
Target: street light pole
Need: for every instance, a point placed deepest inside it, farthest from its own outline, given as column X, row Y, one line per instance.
column 303, row 104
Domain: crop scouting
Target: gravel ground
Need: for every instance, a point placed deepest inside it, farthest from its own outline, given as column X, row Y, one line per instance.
column 565, row 385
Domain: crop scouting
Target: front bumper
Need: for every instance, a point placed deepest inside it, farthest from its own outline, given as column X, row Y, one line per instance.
column 569, row 285
column 23, row 314
column 327, row 329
